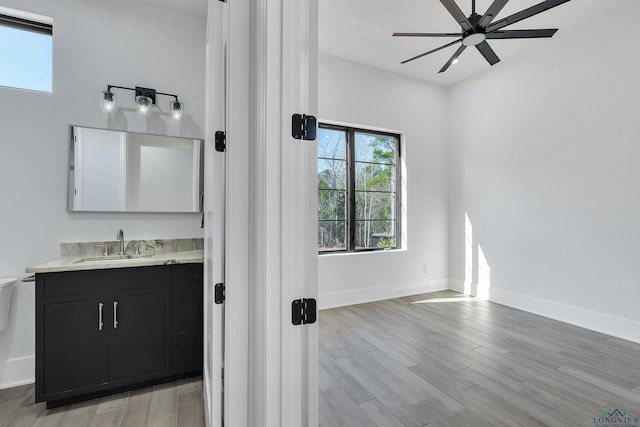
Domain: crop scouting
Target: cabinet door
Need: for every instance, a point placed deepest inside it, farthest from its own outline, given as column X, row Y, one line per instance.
column 137, row 336
column 75, row 345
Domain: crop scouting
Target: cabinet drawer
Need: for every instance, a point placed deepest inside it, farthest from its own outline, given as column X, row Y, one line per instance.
column 186, row 305
column 99, row 281
column 186, row 274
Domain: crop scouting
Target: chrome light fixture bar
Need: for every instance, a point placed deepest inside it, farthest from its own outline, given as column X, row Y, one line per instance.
column 145, row 98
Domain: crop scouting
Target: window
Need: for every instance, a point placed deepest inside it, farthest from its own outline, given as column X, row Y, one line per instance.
column 26, row 46
column 358, row 195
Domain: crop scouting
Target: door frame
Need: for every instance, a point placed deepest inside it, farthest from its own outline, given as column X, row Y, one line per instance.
column 213, row 218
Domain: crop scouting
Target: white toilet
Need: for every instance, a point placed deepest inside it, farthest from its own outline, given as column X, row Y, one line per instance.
column 6, row 286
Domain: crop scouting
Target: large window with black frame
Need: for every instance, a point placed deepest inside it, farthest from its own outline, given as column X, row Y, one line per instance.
column 358, row 189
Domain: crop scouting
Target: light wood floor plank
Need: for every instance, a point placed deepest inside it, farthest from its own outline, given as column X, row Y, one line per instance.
column 111, row 418
column 338, row 409
column 164, row 401
column 190, row 409
column 53, row 417
column 168, row 421
column 81, row 414
column 380, row 415
column 115, row 401
column 136, row 412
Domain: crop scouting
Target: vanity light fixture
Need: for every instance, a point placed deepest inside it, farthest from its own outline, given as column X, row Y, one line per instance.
column 145, row 98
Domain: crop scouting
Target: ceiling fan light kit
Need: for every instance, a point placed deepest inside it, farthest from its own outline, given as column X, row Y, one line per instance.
column 477, row 29
column 474, row 39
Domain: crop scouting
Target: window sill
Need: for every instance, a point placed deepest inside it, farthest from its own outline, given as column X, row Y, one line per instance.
column 334, row 254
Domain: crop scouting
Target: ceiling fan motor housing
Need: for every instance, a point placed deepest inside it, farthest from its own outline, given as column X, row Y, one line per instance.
column 477, row 34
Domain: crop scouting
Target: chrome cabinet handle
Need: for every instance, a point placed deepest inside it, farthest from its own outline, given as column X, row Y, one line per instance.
column 115, row 315
column 100, row 324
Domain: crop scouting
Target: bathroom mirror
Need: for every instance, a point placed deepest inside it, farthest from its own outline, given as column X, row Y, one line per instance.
column 116, row 171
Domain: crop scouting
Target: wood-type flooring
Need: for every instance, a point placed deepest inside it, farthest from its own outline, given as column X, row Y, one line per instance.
column 444, row 359
column 177, row 403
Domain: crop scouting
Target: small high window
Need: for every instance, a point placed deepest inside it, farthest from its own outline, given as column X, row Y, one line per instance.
column 358, row 194
column 26, row 43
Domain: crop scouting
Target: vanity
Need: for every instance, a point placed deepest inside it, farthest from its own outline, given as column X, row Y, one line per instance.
column 111, row 323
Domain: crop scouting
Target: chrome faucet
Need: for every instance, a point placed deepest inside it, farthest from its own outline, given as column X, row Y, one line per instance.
column 120, row 236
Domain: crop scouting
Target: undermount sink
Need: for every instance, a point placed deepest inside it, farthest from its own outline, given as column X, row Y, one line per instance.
column 112, row 258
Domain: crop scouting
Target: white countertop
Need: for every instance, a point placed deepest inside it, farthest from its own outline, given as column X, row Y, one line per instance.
column 90, row 262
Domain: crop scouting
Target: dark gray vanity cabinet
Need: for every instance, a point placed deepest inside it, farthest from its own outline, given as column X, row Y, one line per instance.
column 106, row 331
column 186, row 318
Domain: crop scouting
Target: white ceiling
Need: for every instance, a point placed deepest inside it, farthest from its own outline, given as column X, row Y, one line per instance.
column 360, row 31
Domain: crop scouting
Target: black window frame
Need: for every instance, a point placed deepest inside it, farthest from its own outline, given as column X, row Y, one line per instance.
column 350, row 132
column 26, row 24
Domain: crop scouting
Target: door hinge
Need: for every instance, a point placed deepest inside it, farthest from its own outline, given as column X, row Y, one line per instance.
column 221, row 141
column 218, row 294
column 303, row 127
column 303, row 311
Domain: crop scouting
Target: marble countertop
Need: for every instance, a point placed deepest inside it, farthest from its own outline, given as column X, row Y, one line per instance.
column 83, row 256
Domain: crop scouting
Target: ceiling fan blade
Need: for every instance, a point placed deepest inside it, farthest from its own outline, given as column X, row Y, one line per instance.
column 488, row 53
column 524, row 14
column 491, row 13
column 452, row 59
column 521, row 34
column 431, row 51
column 457, row 14
column 427, row 34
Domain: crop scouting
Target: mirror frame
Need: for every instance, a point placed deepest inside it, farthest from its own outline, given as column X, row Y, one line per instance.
column 72, row 191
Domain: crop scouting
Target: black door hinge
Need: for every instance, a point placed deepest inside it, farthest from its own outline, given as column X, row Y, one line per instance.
column 303, row 311
column 304, row 127
column 218, row 296
column 221, row 141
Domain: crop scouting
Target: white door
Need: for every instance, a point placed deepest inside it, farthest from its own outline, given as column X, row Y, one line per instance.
column 213, row 217
column 283, row 360
column 261, row 69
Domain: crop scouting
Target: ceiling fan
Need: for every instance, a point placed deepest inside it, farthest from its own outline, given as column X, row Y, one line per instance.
column 477, row 29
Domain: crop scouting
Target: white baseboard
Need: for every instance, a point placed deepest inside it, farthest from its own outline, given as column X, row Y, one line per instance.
column 360, row 296
column 599, row 322
column 16, row 372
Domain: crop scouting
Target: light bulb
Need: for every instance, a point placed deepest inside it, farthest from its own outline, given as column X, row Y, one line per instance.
column 144, row 105
column 176, row 109
column 107, row 101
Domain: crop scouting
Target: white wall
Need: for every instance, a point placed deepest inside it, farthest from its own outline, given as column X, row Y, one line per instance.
column 95, row 43
column 368, row 97
column 544, row 161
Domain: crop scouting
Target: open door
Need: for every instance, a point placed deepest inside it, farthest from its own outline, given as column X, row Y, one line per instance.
column 213, row 217
column 260, row 214
column 283, row 356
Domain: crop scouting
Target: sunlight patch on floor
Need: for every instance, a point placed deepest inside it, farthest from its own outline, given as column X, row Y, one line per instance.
column 461, row 298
